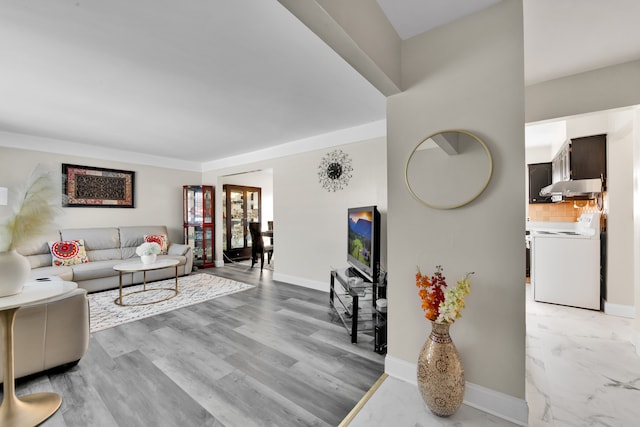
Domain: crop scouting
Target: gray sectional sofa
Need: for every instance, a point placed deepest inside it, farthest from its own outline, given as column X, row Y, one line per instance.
column 56, row 332
column 105, row 247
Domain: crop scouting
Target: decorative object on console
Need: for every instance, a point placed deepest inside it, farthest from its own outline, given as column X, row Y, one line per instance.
column 87, row 186
column 33, row 211
column 448, row 169
column 148, row 252
column 440, row 372
column 334, row 171
column 68, row 252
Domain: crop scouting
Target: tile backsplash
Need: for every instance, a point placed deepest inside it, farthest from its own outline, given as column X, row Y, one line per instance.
column 568, row 211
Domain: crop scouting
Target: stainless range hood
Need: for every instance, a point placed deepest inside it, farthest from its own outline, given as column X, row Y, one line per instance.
column 578, row 189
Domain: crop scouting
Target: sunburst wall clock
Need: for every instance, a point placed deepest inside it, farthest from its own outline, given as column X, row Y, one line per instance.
column 334, row 171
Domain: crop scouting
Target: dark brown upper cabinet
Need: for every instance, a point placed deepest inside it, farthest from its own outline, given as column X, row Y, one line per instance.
column 582, row 158
column 539, row 177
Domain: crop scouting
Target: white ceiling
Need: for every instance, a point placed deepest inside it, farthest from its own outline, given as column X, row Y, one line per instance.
column 561, row 37
column 195, row 80
column 204, row 79
column 413, row 17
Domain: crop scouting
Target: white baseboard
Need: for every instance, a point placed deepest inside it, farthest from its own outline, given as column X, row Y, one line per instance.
column 484, row 399
column 619, row 310
column 301, row 281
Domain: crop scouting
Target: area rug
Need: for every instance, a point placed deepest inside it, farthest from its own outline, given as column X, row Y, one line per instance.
column 196, row 288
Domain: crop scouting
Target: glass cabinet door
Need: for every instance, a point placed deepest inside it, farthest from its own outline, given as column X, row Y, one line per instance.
column 236, row 198
column 208, row 246
column 207, row 209
column 241, row 205
column 224, row 220
column 198, row 210
column 189, row 198
column 253, row 211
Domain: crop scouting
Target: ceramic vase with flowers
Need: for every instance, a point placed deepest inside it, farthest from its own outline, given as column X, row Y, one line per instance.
column 440, row 371
column 32, row 210
column 148, row 252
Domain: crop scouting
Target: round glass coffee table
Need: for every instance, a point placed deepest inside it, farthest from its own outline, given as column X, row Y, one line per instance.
column 137, row 267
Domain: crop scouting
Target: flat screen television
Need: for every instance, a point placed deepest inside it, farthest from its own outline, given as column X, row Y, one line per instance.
column 363, row 251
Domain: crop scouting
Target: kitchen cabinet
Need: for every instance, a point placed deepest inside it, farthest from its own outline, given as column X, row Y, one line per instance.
column 539, row 177
column 560, row 165
column 581, row 158
column 241, row 205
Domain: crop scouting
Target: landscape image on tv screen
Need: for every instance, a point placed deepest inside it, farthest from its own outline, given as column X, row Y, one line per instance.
column 360, row 235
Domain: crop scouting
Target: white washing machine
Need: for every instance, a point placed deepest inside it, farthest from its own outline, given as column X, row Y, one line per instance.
column 565, row 262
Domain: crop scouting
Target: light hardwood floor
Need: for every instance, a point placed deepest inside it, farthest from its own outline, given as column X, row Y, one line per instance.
column 269, row 356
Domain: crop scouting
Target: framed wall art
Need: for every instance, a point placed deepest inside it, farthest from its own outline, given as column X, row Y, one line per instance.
column 87, row 186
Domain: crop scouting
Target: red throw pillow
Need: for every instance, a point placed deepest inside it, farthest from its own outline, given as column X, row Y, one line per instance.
column 68, row 252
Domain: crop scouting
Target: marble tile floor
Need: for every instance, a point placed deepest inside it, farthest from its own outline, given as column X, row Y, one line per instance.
column 581, row 370
column 398, row 403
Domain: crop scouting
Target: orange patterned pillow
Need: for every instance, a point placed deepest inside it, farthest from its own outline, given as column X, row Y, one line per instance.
column 160, row 239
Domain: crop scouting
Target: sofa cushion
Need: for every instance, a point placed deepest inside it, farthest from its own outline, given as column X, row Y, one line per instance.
column 160, row 239
column 68, row 252
column 100, row 243
column 37, row 251
column 95, row 269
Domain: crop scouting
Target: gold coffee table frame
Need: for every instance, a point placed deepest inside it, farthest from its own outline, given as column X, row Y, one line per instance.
column 32, row 409
column 137, row 267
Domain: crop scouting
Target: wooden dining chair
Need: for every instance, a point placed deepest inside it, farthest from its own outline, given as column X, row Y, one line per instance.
column 257, row 245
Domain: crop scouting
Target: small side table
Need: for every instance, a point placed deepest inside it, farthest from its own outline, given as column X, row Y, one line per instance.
column 32, row 409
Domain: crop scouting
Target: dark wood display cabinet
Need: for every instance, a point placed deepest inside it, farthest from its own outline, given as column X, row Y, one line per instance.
column 198, row 203
column 240, row 206
column 539, row 177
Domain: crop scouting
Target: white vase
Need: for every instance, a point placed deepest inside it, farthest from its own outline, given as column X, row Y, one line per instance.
column 148, row 259
column 14, row 272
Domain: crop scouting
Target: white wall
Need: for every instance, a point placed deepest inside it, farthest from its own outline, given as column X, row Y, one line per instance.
column 311, row 223
column 598, row 90
column 539, row 154
column 620, row 136
column 636, row 225
column 262, row 179
column 158, row 191
column 473, row 82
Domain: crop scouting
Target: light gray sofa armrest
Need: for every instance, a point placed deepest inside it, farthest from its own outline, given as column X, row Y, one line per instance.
column 178, row 249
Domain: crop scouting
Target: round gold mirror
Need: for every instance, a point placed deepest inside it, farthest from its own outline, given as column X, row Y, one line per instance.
column 448, row 169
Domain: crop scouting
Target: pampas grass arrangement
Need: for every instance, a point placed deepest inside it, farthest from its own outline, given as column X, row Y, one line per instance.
column 34, row 208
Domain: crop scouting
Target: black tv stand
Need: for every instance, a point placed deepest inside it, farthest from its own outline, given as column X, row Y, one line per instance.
column 355, row 306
